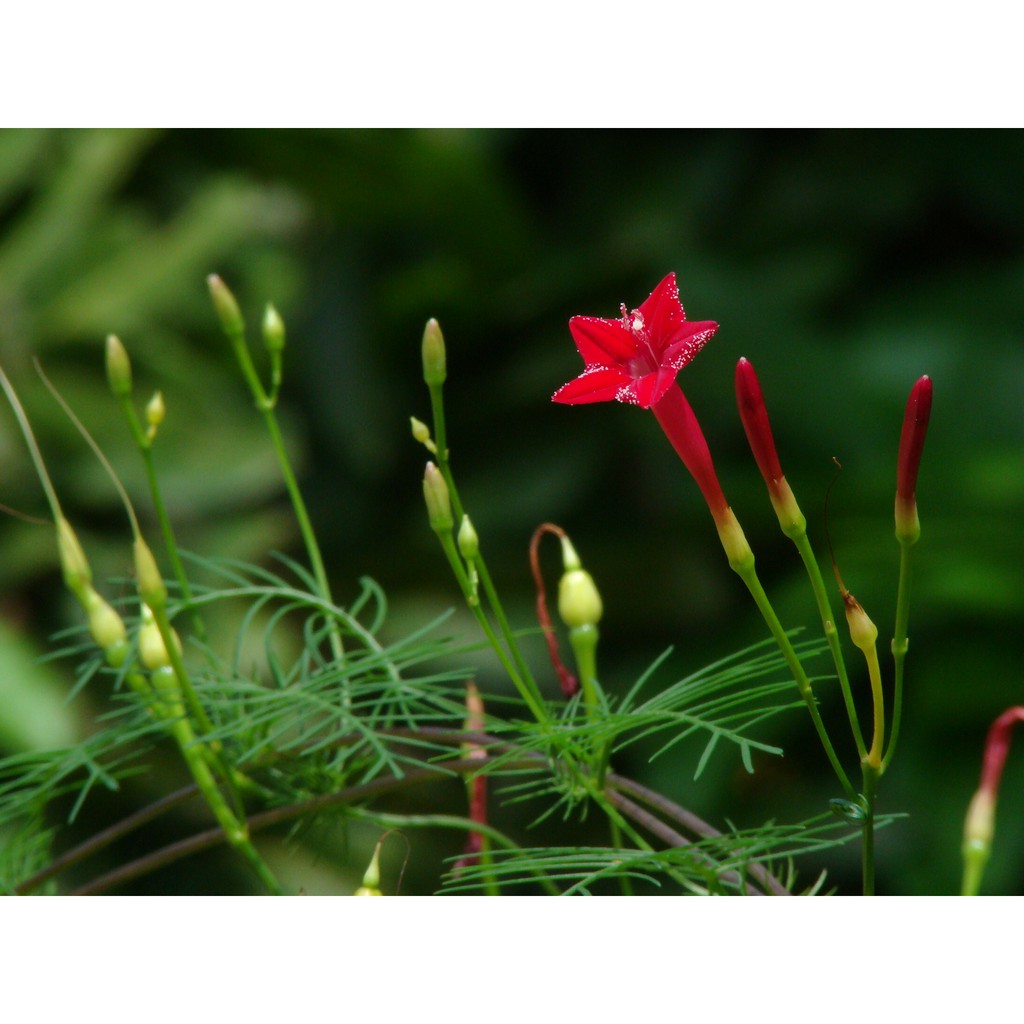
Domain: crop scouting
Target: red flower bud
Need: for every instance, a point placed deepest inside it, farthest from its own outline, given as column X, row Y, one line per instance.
column 759, row 434
column 915, row 426
column 755, row 423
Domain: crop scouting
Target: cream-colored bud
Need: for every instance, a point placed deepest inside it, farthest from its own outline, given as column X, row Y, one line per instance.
column 152, row 650
column 73, row 563
column 435, row 368
column 863, row 632
column 273, row 329
column 119, row 367
column 439, row 506
column 579, row 602
column 469, row 542
column 105, row 625
column 147, row 574
column 156, row 410
column 226, row 306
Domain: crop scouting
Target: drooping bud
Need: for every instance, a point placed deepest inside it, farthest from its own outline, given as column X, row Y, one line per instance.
column 226, row 306
column 435, row 369
column 273, row 330
column 439, row 506
column 119, row 367
column 754, row 415
column 579, row 603
column 915, row 426
column 155, row 413
column 469, row 542
column 863, row 632
column 147, row 574
column 73, row 563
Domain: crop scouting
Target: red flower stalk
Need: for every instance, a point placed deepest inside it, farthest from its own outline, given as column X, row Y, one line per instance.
column 569, row 683
column 759, row 434
column 635, row 359
column 476, row 784
column 915, row 426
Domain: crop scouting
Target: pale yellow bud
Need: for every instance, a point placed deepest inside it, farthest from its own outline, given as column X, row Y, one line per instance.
column 147, row 574
column 119, row 367
column 155, row 413
column 73, row 563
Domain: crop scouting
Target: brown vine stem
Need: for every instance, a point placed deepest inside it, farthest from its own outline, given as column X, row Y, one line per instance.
column 617, row 787
column 690, row 820
column 103, row 839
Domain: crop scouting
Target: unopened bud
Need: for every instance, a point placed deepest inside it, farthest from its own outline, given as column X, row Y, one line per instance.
column 155, row 413
column 469, row 542
column 151, row 584
column 915, row 427
column 863, row 632
column 579, row 603
column 273, row 329
column 435, row 369
column 153, row 651
column 119, row 367
column 226, row 306
column 73, row 563
column 734, row 541
column 105, row 625
column 421, row 433
column 371, row 879
column 439, row 506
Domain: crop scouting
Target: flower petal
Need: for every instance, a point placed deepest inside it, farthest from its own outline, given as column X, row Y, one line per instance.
column 602, row 341
column 650, row 389
column 690, row 337
column 600, row 384
column 662, row 313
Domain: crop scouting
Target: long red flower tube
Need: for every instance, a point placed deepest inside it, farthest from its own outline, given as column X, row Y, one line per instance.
column 635, row 359
column 915, row 427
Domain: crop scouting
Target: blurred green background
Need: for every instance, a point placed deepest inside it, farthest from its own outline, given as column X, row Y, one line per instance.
column 842, row 264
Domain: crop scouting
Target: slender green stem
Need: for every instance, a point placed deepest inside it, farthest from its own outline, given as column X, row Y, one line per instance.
column 900, row 643
column 145, row 447
column 828, row 622
column 870, row 777
column 874, row 756
column 444, row 465
column 526, row 686
column 267, row 406
column 195, row 707
column 235, row 831
column 625, row 882
column 749, row 576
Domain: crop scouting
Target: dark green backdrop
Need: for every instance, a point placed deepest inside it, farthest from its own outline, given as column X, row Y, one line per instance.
column 843, row 264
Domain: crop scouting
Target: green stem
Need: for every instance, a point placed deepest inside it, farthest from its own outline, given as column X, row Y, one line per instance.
column 828, row 622
column 900, row 643
column 443, row 464
column 748, row 574
column 163, row 623
column 870, row 776
column 235, row 831
column 267, row 406
column 526, row 686
column 625, row 882
column 145, row 447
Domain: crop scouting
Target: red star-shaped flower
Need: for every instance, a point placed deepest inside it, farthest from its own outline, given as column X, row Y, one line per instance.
column 635, row 359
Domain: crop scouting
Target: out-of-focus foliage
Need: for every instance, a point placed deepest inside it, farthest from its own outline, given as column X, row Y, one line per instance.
column 842, row 264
